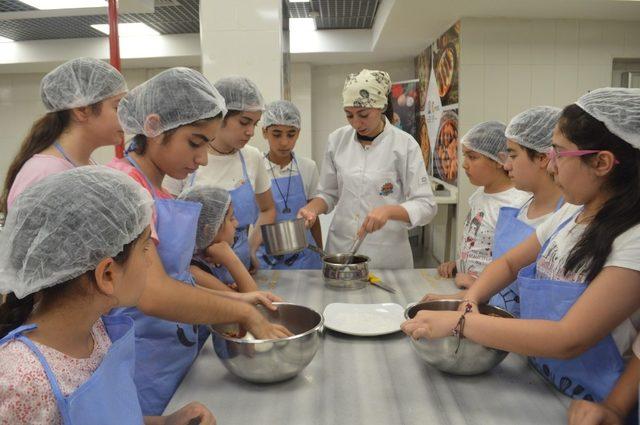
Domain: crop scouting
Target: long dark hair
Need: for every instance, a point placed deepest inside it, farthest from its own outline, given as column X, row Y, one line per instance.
column 43, row 133
column 622, row 210
column 14, row 312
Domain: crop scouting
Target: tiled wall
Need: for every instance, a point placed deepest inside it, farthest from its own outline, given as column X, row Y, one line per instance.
column 509, row 65
column 20, row 106
column 326, row 96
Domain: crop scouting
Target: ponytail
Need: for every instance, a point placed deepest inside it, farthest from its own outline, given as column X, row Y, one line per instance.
column 14, row 312
column 622, row 210
column 43, row 134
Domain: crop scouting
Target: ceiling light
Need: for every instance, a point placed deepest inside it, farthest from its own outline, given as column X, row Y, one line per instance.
column 299, row 1
column 302, row 24
column 128, row 30
column 64, row 4
column 5, row 39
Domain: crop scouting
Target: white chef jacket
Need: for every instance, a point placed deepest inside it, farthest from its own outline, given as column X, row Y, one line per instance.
column 355, row 179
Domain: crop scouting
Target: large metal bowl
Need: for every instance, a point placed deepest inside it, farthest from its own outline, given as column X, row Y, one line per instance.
column 274, row 360
column 284, row 237
column 471, row 359
column 337, row 274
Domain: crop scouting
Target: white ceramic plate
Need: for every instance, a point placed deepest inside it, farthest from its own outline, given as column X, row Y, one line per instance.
column 364, row 319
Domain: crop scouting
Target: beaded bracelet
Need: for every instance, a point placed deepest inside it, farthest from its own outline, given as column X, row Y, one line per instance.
column 459, row 329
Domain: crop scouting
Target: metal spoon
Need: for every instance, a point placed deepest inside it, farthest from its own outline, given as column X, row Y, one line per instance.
column 354, row 249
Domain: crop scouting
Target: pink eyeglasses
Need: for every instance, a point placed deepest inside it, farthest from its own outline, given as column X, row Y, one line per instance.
column 554, row 154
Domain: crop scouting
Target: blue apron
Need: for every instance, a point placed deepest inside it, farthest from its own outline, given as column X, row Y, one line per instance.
column 591, row 375
column 164, row 349
column 246, row 211
column 109, row 395
column 287, row 207
column 510, row 232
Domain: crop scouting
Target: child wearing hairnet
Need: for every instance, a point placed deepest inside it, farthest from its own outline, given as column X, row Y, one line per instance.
column 238, row 167
column 294, row 181
column 526, row 159
column 578, row 274
column 482, row 165
column 81, row 97
column 213, row 254
column 74, row 246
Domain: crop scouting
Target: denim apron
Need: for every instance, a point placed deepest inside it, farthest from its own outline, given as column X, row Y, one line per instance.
column 589, row 376
column 287, row 206
column 109, row 395
column 165, row 349
column 510, row 232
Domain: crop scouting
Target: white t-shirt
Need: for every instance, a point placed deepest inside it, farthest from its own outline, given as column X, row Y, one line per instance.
column 533, row 222
column 225, row 171
column 476, row 247
column 625, row 252
column 308, row 171
column 636, row 347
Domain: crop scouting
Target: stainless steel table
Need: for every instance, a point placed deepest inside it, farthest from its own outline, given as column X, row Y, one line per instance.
column 379, row 380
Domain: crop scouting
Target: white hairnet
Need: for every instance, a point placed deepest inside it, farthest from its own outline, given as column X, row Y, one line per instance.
column 618, row 109
column 65, row 224
column 281, row 112
column 240, row 93
column 177, row 96
column 215, row 203
column 533, row 128
column 488, row 139
column 80, row 82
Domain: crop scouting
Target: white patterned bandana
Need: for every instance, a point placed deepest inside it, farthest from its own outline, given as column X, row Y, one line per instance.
column 367, row 89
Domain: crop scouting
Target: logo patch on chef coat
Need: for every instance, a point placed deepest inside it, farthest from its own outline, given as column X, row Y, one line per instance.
column 386, row 189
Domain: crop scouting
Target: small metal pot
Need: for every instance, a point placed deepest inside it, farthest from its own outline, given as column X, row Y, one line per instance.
column 284, row 237
column 354, row 275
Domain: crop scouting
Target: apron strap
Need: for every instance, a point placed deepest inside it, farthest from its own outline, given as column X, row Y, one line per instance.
column 64, row 154
column 55, row 387
column 560, row 203
column 244, row 168
column 137, row 167
column 555, row 232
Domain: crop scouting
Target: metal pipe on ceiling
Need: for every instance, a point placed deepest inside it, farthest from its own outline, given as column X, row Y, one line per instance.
column 114, row 54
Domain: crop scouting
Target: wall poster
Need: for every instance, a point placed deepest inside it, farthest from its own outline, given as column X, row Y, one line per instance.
column 437, row 69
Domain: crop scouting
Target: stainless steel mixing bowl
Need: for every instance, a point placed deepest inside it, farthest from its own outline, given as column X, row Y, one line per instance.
column 471, row 358
column 274, row 360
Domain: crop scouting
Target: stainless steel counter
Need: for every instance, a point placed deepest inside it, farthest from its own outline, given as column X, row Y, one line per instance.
column 374, row 380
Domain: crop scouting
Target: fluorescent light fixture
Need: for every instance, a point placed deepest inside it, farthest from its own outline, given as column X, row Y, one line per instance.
column 5, row 40
column 299, row 1
column 64, row 4
column 302, row 24
column 128, row 30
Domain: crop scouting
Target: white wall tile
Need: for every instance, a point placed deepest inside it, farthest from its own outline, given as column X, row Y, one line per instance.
column 590, row 48
column 613, row 35
column 592, row 77
column 471, row 42
column 543, row 42
column 519, row 89
column 519, row 40
column 495, row 89
column 543, row 90
column 566, row 83
column 566, row 42
column 496, row 38
column 472, row 92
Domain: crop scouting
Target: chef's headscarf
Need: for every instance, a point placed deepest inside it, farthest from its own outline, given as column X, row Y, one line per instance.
column 367, row 89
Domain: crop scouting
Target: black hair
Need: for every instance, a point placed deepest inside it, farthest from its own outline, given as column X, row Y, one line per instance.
column 140, row 140
column 622, row 210
column 14, row 312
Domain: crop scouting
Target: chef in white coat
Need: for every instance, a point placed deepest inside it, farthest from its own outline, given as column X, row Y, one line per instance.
column 374, row 176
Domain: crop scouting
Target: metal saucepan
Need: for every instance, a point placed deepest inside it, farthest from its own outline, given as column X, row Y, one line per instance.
column 290, row 237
